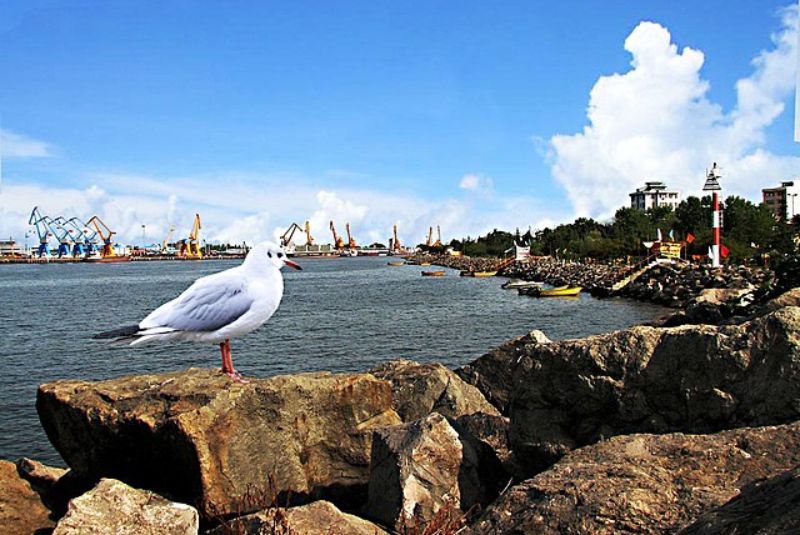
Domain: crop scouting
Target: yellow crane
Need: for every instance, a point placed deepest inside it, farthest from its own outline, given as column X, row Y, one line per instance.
column 351, row 243
column 338, row 242
column 190, row 247
column 438, row 242
column 106, row 234
column 396, row 246
column 165, row 243
column 309, row 237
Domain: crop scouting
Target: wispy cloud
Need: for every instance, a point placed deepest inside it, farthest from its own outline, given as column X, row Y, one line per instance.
column 13, row 145
column 656, row 121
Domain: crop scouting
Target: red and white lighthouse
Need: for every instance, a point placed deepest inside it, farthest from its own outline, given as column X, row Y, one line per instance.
column 712, row 184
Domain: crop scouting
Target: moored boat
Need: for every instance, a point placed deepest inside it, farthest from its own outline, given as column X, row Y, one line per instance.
column 433, row 273
column 478, row 273
column 518, row 284
column 562, row 291
column 395, row 263
column 107, row 259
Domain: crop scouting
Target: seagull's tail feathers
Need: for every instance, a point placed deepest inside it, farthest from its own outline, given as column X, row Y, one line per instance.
column 132, row 334
column 122, row 332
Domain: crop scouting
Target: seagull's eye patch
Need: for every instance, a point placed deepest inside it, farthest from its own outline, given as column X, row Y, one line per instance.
column 269, row 254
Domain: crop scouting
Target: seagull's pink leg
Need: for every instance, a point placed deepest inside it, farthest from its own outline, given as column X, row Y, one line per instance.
column 224, row 348
column 227, row 363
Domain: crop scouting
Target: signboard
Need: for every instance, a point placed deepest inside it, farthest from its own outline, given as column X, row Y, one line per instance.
column 668, row 249
column 522, row 254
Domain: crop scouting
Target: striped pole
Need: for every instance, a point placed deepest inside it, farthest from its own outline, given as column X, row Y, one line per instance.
column 715, row 226
column 712, row 185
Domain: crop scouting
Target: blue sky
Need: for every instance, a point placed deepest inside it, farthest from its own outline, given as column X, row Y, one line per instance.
column 470, row 115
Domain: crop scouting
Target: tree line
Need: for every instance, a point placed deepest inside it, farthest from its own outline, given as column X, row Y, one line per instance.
column 748, row 232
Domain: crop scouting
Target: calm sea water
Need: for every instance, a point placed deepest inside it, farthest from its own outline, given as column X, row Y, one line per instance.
column 341, row 315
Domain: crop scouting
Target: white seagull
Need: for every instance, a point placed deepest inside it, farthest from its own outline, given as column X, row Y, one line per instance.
column 218, row 307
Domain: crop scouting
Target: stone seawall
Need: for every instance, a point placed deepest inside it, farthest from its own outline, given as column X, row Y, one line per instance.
column 644, row 430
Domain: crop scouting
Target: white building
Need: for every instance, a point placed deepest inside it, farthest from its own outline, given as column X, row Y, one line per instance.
column 654, row 194
column 783, row 200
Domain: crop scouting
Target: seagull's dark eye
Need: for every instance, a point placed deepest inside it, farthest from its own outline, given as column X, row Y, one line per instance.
column 269, row 254
column 280, row 255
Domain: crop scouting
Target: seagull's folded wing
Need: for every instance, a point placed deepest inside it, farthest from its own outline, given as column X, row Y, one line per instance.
column 207, row 305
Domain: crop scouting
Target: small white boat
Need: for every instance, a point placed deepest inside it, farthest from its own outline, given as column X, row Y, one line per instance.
column 517, row 284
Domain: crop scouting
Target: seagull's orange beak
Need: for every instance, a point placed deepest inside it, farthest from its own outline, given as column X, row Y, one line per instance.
column 292, row 264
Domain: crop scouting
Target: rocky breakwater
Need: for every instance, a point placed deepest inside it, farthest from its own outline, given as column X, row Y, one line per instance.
column 672, row 285
column 646, row 430
column 461, row 263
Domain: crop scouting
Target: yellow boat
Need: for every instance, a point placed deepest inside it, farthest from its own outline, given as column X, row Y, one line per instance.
column 433, row 273
column 563, row 291
column 396, row 263
column 424, row 263
column 478, row 273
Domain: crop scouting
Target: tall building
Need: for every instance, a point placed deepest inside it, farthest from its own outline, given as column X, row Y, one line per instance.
column 654, row 194
column 783, row 200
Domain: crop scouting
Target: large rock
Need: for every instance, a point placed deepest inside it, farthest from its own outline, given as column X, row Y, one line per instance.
column 202, row 439
column 420, row 389
column 114, row 508
column 765, row 507
column 642, row 483
column 318, row 518
column 419, row 468
column 21, row 510
column 694, row 378
column 493, row 373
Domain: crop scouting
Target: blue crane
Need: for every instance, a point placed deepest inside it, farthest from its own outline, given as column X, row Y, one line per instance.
column 89, row 235
column 42, row 230
column 61, row 234
column 75, row 235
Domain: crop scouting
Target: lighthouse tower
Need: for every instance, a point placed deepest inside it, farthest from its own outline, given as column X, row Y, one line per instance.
column 712, row 184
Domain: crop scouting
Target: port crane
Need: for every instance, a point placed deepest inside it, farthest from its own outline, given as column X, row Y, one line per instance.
column 106, row 234
column 88, row 235
column 351, row 243
column 74, row 235
column 396, row 245
column 42, row 230
column 438, row 242
column 190, row 247
column 165, row 241
column 309, row 237
column 338, row 242
column 61, row 234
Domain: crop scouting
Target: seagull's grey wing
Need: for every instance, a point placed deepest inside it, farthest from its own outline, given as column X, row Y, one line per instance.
column 209, row 304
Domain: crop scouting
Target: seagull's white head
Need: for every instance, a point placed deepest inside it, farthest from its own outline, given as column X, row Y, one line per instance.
column 268, row 253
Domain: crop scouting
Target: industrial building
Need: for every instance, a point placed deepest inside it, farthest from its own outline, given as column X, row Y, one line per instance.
column 654, row 194
column 782, row 200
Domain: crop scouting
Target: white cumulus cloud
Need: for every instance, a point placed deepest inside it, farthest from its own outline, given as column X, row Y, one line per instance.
column 656, row 122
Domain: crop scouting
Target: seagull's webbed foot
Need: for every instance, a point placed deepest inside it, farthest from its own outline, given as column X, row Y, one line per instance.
column 237, row 377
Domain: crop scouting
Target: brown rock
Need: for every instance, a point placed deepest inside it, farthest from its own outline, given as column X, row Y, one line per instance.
column 417, row 469
column 40, row 476
column 694, row 378
column 491, row 431
column 202, row 439
column 114, row 508
column 419, row 389
column 317, row 518
column 765, row 507
column 493, row 373
column 642, row 483
column 21, row 510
